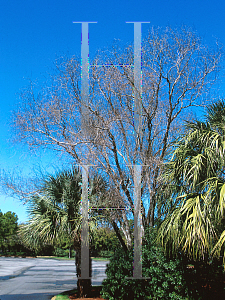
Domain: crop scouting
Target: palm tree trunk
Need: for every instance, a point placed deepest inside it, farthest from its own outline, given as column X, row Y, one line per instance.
column 83, row 285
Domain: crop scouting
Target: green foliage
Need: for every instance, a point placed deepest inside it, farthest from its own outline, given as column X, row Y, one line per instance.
column 59, row 252
column 104, row 242
column 8, row 231
column 10, row 241
column 206, row 279
column 166, row 276
column 63, row 252
column 106, row 253
column 55, row 211
column 195, row 180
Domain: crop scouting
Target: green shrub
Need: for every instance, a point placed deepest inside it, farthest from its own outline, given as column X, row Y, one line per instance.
column 166, row 277
column 60, row 252
column 72, row 253
column 104, row 242
column 206, row 279
column 21, row 253
column 106, row 253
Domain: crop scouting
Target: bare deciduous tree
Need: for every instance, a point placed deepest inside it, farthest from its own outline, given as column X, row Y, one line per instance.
column 177, row 72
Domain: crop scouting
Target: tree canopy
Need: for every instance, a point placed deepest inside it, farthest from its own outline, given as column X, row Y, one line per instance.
column 8, row 230
column 177, row 72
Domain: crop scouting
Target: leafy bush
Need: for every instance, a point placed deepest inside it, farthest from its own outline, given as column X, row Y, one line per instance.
column 60, row 252
column 104, row 242
column 206, row 279
column 106, row 254
column 71, row 251
column 165, row 277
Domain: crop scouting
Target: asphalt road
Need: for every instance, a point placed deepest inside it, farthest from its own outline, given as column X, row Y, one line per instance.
column 41, row 279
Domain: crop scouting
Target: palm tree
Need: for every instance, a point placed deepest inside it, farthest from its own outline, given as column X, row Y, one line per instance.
column 55, row 214
column 195, row 180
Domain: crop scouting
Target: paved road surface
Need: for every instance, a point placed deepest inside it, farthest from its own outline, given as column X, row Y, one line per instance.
column 41, row 279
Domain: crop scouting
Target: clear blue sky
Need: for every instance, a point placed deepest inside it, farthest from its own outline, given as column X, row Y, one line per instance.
column 35, row 32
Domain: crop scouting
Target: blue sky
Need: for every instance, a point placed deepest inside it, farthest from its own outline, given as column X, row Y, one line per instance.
column 33, row 33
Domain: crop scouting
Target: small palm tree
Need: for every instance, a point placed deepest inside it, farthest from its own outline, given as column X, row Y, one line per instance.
column 196, row 182
column 55, row 214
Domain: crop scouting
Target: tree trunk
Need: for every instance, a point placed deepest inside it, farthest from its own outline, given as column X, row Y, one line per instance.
column 83, row 285
column 152, row 212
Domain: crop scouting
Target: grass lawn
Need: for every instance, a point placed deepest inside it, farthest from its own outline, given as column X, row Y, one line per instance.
column 60, row 297
column 100, row 258
column 56, row 257
column 64, row 295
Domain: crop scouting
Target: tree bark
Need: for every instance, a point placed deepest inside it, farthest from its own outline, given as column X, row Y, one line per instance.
column 115, row 227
